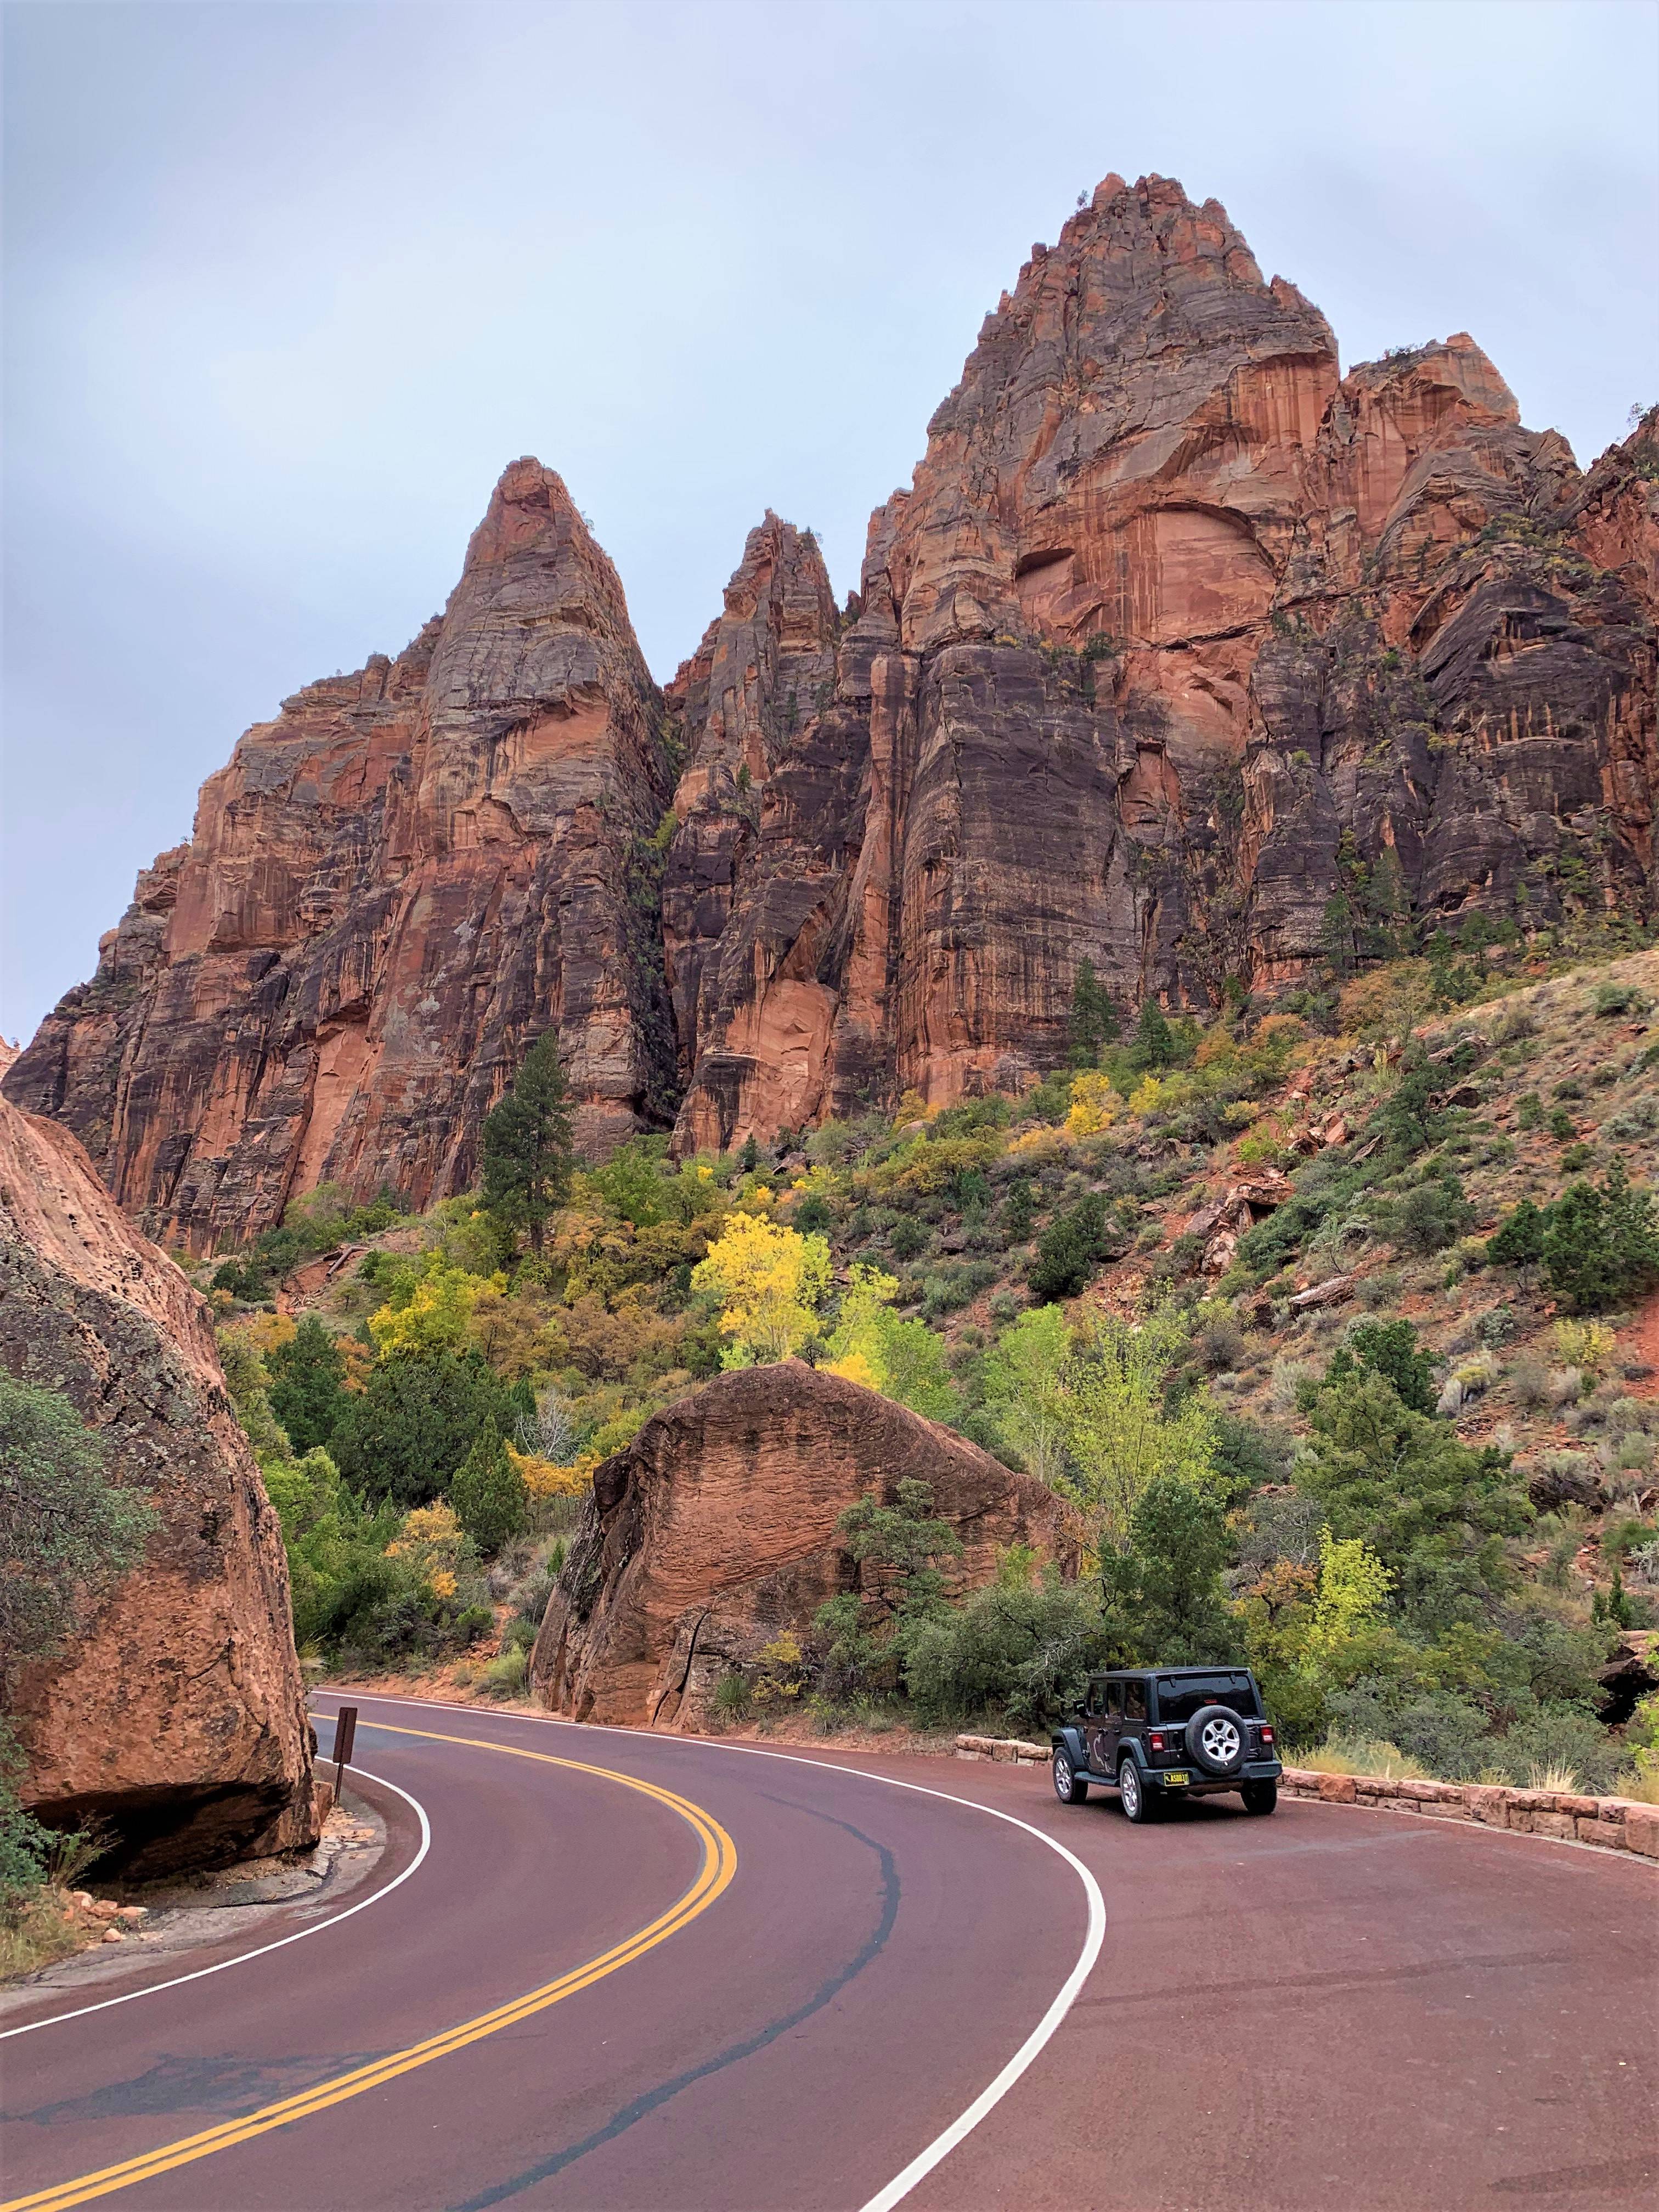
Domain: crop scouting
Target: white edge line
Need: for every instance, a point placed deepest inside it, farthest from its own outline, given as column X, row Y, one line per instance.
column 997, row 2089
column 154, row 1989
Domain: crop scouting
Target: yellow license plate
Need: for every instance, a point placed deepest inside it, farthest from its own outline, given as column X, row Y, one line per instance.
column 1176, row 1781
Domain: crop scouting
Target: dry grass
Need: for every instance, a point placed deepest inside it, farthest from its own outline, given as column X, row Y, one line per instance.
column 39, row 1934
column 1385, row 1760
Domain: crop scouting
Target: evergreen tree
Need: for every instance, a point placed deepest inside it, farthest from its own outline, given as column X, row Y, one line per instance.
column 749, row 1158
column 404, row 1436
column 1093, row 1024
column 1520, row 1240
column 1387, row 1348
column 1166, row 1590
column 1410, row 1120
column 1602, row 1246
column 487, row 1493
column 307, row 1394
column 1155, row 1044
column 526, row 1145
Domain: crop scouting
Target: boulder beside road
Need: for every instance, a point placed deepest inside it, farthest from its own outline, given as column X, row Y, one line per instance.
column 178, row 1716
column 711, row 1540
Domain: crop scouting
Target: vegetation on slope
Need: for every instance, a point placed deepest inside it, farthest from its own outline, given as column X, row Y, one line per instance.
column 1421, row 1501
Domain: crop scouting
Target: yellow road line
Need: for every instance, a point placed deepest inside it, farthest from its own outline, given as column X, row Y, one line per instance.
column 719, row 1864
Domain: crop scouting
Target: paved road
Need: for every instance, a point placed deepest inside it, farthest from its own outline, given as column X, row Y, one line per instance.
column 643, row 1973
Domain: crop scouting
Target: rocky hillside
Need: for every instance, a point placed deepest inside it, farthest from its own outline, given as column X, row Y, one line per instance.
column 1184, row 655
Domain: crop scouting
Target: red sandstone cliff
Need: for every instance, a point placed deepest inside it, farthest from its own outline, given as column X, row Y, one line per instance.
column 178, row 1714
column 1176, row 629
column 392, row 890
column 1177, row 635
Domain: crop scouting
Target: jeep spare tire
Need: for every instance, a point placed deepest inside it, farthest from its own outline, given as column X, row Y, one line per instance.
column 1215, row 1740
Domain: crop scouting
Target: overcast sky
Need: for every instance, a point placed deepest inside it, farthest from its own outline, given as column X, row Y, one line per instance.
column 288, row 286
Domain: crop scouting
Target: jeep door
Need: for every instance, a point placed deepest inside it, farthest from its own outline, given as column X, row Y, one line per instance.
column 1106, row 1719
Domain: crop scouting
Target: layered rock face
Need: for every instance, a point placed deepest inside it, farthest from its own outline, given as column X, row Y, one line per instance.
column 1178, row 638
column 712, row 1534
column 392, row 890
column 179, row 1714
column 1183, row 654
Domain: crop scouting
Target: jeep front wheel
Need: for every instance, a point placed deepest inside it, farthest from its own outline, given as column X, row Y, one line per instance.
column 1067, row 1788
column 1135, row 1796
column 1260, row 1796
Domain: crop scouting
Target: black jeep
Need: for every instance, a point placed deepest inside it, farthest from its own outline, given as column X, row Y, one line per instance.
column 1157, row 1732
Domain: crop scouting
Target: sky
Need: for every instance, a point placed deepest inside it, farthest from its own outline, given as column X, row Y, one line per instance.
column 287, row 286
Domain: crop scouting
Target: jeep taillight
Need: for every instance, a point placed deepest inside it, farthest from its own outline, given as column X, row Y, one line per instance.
column 1267, row 1732
column 1155, row 1740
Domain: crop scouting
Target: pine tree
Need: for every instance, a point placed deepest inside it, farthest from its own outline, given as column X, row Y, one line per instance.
column 1154, row 1045
column 307, row 1392
column 1093, row 1023
column 487, row 1493
column 526, row 1143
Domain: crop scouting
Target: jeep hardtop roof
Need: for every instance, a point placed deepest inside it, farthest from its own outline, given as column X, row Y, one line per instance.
column 1139, row 1673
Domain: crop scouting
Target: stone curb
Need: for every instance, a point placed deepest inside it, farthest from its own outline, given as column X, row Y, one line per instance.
column 1613, row 1823
column 1002, row 1747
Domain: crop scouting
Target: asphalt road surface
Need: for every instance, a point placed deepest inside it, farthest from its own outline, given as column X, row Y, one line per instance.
column 647, row 1974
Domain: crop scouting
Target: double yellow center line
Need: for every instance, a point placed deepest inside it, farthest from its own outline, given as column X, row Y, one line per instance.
column 719, row 1864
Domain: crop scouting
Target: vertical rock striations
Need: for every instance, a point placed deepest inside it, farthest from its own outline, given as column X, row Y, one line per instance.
column 391, row 891
column 179, row 1714
column 1183, row 654
column 1178, row 640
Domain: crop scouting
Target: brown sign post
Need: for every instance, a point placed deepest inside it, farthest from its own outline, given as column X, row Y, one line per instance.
column 345, row 1731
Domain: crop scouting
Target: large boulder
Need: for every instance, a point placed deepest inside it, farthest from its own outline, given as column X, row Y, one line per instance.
column 712, row 1534
column 179, row 1716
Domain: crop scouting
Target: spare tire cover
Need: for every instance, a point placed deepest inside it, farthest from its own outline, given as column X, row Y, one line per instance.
column 1215, row 1740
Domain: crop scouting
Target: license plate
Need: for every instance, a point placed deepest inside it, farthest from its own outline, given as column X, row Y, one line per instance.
column 1176, row 1781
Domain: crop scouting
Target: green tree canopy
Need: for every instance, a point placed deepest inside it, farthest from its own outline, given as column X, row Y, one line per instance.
column 1165, row 1592
column 1601, row 1247
column 403, row 1436
column 1432, row 1509
column 525, row 1144
column 1155, row 1042
column 1390, row 1349
column 487, row 1493
column 1093, row 1023
column 1121, row 1433
column 307, row 1393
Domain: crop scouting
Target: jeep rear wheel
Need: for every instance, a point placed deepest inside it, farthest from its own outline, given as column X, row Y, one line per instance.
column 1260, row 1796
column 1138, row 1803
column 1215, row 1740
column 1067, row 1788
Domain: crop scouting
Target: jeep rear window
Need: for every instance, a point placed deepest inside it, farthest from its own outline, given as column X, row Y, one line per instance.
column 1180, row 1697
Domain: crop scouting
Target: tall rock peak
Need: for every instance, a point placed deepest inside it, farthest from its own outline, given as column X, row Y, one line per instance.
column 1179, row 644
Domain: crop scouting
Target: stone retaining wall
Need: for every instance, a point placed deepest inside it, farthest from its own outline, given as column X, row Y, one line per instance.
column 1613, row 1823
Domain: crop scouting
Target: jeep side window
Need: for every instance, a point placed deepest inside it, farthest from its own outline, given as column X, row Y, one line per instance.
column 1134, row 1701
column 1115, row 1701
column 1091, row 1705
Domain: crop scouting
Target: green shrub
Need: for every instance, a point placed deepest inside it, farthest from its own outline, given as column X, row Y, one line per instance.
column 1601, row 1247
column 1069, row 1249
column 1020, row 1649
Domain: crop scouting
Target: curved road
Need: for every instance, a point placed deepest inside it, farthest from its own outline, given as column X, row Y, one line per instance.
column 673, row 1975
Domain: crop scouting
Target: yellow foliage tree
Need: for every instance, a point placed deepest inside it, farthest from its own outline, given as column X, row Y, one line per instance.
column 542, row 1479
column 437, row 1315
column 1094, row 1104
column 1353, row 1588
column 769, row 1280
